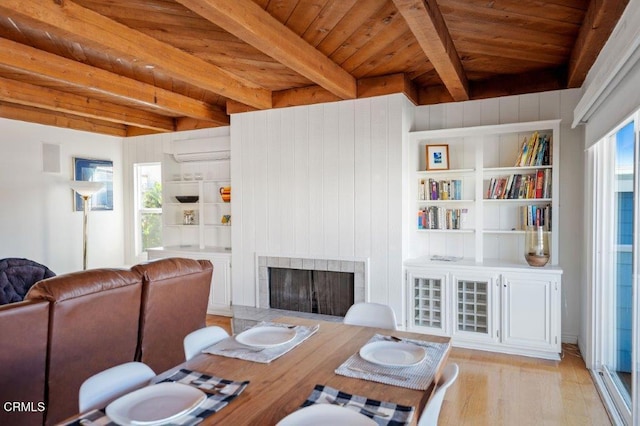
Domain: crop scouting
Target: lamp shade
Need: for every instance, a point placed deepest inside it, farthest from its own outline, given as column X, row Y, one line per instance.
column 85, row 188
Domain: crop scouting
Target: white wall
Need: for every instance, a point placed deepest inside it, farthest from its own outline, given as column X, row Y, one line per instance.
column 532, row 107
column 321, row 181
column 36, row 216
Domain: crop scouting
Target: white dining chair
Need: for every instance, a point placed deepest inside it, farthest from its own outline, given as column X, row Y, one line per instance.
column 197, row 340
column 431, row 411
column 371, row 315
column 102, row 388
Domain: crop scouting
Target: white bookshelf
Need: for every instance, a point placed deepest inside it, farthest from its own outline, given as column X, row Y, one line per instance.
column 487, row 297
column 491, row 227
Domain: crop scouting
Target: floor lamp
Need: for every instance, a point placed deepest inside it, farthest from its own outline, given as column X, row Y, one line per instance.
column 85, row 189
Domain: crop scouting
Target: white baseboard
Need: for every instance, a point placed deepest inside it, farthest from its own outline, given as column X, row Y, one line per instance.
column 569, row 338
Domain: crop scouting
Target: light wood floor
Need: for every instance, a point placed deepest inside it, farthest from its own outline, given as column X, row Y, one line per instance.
column 497, row 389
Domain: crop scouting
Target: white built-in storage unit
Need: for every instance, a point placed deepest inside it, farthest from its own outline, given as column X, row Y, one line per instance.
column 199, row 167
column 485, row 295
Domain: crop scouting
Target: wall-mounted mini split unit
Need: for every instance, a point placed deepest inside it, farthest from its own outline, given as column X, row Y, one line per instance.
column 205, row 149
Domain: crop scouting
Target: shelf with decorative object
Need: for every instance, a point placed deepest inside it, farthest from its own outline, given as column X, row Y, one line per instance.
column 492, row 165
column 197, row 168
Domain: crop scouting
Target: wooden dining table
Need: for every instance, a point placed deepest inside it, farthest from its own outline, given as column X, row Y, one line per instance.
column 280, row 387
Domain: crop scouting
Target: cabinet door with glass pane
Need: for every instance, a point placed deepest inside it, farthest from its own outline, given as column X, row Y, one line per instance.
column 428, row 301
column 476, row 311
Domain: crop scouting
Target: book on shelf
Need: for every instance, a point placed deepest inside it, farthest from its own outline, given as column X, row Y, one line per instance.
column 433, row 189
column 435, row 217
column 534, row 151
column 535, row 216
column 519, row 186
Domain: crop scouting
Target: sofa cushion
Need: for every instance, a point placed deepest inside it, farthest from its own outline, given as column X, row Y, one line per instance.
column 174, row 303
column 94, row 326
column 17, row 276
column 23, row 358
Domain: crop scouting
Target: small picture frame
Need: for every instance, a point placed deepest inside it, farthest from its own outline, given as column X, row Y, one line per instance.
column 437, row 157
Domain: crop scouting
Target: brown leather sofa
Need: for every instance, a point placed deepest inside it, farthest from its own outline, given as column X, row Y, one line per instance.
column 23, row 355
column 95, row 319
column 172, row 291
column 94, row 325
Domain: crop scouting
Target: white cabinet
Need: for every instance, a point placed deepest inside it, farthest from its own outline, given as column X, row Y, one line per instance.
column 220, row 294
column 220, row 290
column 428, row 297
column 531, row 311
column 502, row 308
column 474, row 309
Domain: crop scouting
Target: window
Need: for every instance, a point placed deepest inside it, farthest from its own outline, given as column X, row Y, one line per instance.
column 615, row 262
column 148, row 206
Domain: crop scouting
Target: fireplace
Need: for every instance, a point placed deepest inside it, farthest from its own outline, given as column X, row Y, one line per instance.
column 318, row 292
column 324, row 286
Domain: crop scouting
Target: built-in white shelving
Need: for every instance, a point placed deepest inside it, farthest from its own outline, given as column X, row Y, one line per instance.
column 486, row 297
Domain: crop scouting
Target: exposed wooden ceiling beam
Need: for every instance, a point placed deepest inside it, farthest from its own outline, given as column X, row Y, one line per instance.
column 106, row 85
column 252, row 24
column 502, row 85
column 367, row 87
column 131, row 131
column 102, row 33
column 599, row 22
column 428, row 26
column 388, row 84
column 58, row 119
column 187, row 123
column 40, row 97
column 518, row 84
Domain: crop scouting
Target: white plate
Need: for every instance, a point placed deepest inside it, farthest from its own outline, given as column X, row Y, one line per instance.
column 326, row 414
column 393, row 354
column 155, row 404
column 266, row 336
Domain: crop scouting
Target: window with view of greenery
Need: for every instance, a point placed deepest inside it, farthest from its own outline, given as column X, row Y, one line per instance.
column 149, row 206
column 151, row 221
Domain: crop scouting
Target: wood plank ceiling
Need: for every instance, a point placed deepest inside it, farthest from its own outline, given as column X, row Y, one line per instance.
column 131, row 67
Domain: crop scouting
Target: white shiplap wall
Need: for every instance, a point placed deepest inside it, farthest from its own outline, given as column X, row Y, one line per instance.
column 321, row 181
column 330, row 181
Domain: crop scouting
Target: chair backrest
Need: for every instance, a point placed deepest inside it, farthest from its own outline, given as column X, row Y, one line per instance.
column 94, row 317
column 199, row 339
column 431, row 411
column 175, row 295
column 23, row 360
column 102, row 388
column 17, row 275
column 371, row 315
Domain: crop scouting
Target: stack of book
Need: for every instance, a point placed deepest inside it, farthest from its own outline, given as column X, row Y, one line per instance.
column 434, row 217
column 440, row 190
column 535, row 216
column 535, row 151
column 517, row 186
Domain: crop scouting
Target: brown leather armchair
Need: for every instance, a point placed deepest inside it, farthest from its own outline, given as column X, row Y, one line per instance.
column 23, row 358
column 174, row 303
column 94, row 325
